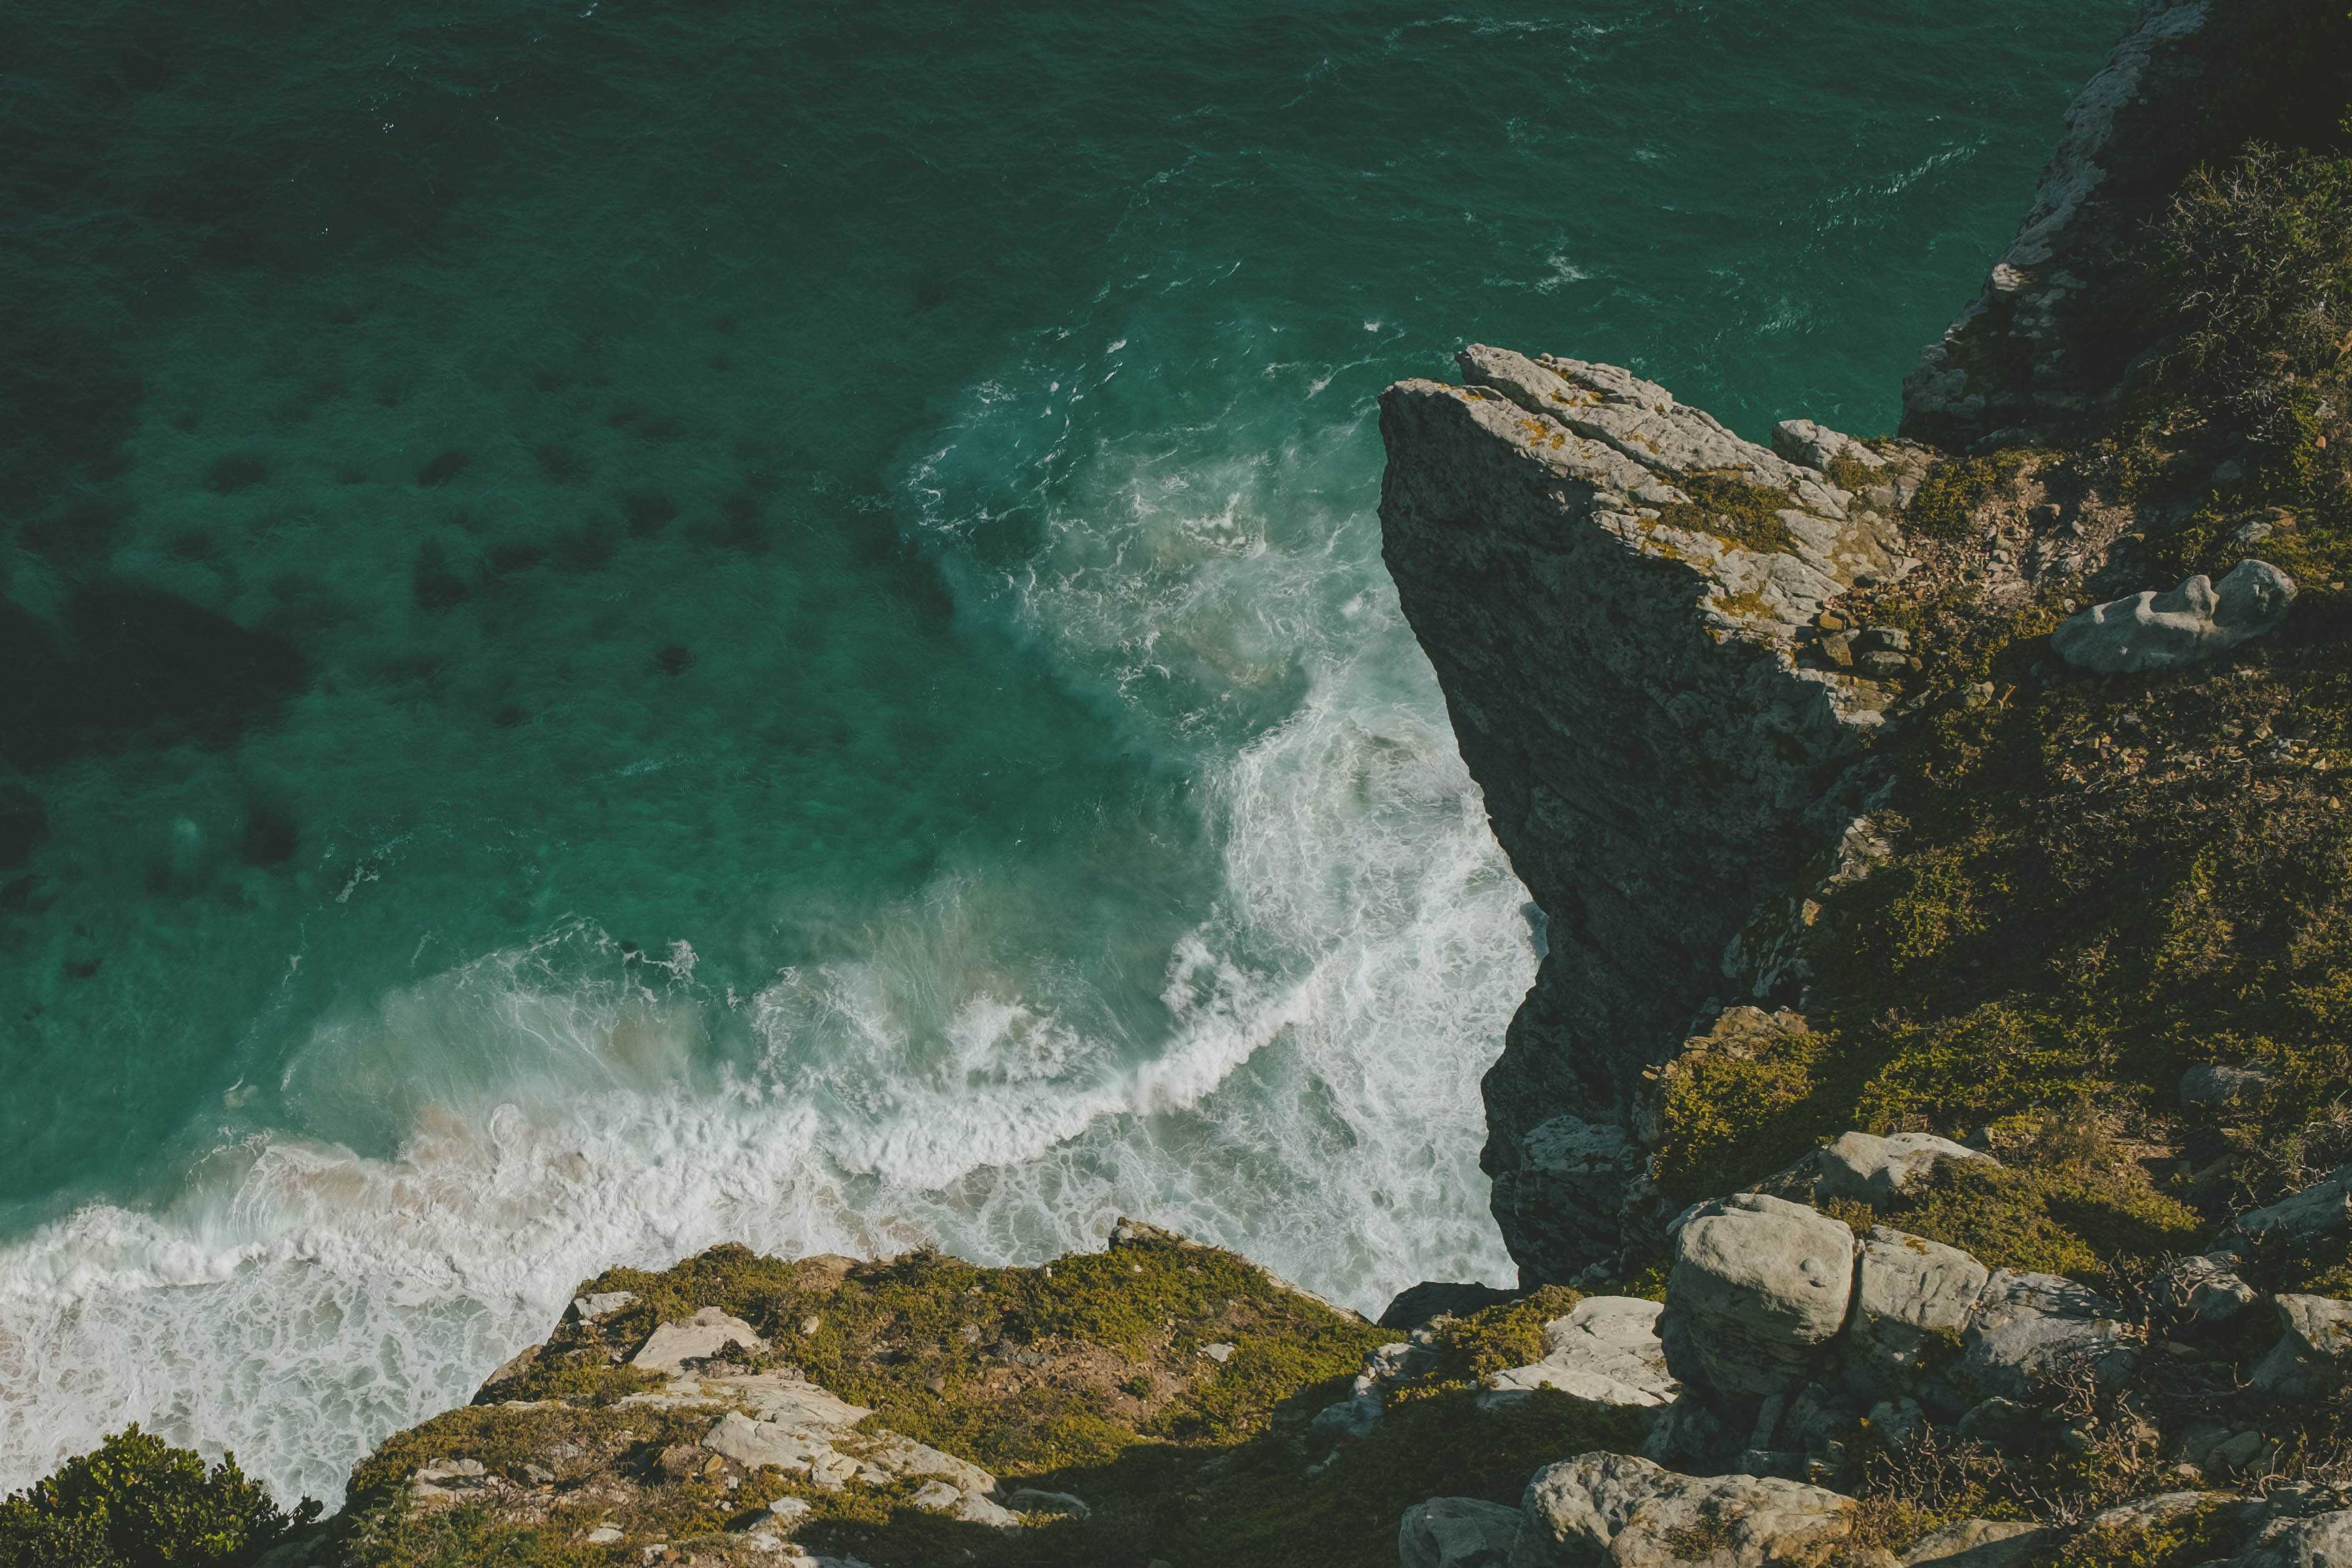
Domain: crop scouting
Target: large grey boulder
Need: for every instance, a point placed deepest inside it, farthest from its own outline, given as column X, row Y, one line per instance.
column 2035, row 1330
column 1863, row 1168
column 2314, row 1355
column 1984, row 1543
column 1759, row 1288
column 588, row 1308
column 1606, row 1350
column 2319, row 1540
column 2204, row 1290
column 2318, row 1213
column 1912, row 1302
column 709, row 1333
column 1613, row 1511
column 2166, row 630
column 1456, row 1532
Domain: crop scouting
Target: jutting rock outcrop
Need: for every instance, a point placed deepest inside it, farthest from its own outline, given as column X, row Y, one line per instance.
column 1616, row 591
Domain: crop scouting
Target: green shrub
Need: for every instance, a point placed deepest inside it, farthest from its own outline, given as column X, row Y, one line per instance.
column 2258, row 255
column 2077, row 1220
column 138, row 1502
column 1952, row 491
column 1499, row 1337
column 1734, row 509
column 1730, row 1115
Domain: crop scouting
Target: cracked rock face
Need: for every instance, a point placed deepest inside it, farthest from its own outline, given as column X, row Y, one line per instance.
column 1612, row 586
column 1606, row 1350
column 1612, row 1511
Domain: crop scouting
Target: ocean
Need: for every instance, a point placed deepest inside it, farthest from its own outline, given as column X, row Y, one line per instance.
column 633, row 626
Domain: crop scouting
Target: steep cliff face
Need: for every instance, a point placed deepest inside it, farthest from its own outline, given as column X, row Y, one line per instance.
column 2041, row 349
column 1620, row 598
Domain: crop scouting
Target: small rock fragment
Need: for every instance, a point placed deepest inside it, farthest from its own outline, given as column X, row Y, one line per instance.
column 1456, row 1532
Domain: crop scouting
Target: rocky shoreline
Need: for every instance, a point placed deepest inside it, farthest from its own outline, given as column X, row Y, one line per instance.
column 1832, row 1252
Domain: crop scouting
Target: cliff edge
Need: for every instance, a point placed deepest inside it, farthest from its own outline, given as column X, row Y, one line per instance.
column 1620, row 596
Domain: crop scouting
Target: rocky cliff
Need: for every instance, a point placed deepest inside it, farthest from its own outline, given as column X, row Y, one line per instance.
column 1614, row 588
column 2014, row 1227
column 1654, row 637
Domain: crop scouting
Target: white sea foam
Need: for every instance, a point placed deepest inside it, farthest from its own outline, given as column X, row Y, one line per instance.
column 1298, row 1078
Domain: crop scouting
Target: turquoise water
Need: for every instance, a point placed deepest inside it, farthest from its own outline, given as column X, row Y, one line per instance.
column 638, row 625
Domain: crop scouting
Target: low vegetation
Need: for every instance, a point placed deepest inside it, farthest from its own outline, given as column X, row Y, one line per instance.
column 138, row 1502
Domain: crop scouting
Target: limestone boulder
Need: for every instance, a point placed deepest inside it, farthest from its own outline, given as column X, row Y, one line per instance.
column 1759, row 1289
column 1913, row 1303
column 2312, row 1358
column 1606, row 1350
column 2194, row 622
column 2318, row 1540
column 710, row 1334
column 2033, row 1332
column 1456, row 1532
column 956, row 1502
column 809, row 1434
column 1861, row 1167
column 2320, row 1212
column 602, row 1304
column 1614, row 1511
column 1984, row 1543
column 2213, row 1083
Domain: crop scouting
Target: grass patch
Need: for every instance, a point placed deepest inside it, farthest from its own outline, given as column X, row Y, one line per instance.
column 1733, row 509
